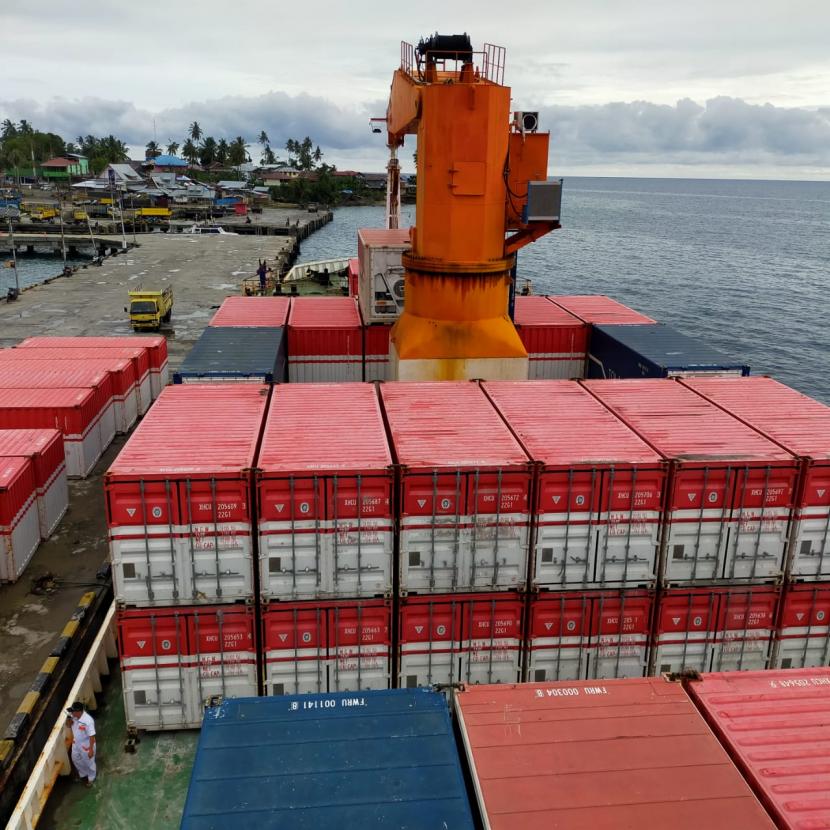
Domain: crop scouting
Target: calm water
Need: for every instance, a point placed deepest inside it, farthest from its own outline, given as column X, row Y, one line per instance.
column 744, row 265
column 32, row 269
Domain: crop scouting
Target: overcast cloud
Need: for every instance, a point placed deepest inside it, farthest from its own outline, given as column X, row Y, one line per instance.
column 670, row 88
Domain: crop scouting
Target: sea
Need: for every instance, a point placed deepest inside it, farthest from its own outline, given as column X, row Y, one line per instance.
column 32, row 269
column 741, row 265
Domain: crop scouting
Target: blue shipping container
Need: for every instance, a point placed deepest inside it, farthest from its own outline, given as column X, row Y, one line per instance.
column 349, row 760
column 236, row 354
column 653, row 351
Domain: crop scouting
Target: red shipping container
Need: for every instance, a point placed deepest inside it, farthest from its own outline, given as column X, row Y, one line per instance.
column 45, row 449
column 156, row 344
column 601, row 310
column 600, row 488
column 139, row 355
column 776, row 725
column 582, row 755
column 714, row 629
column 121, row 372
column 179, row 498
column 19, row 526
column 324, row 452
column 175, row 659
column 376, row 364
column 465, row 490
column 802, row 426
column 460, row 638
column 76, row 413
column 327, row 646
column 325, row 340
column 588, row 634
column 731, row 491
column 265, row 312
column 354, row 276
column 555, row 340
column 803, row 638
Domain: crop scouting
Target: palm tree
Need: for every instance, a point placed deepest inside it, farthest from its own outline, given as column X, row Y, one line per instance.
column 152, row 150
column 190, row 151
column 222, row 151
column 172, row 147
column 207, row 152
column 195, row 131
column 237, row 151
column 115, row 150
column 9, row 128
column 263, row 138
column 268, row 156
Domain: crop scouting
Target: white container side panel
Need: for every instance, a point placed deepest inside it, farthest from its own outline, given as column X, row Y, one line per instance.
column 119, row 410
column 53, row 502
column 19, row 542
column 742, row 651
column 353, row 668
column 618, row 656
column 811, row 547
column 555, row 367
column 159, row 378
column 377, row 369
column 496, row 554
column 694, row 653
column 491, row 661
column 425, row 664
column 556, row 658
column 157, row 697
column 214, row 675
column 757, row 544
column 431, row 558
column 695, row 546
column 106, row 425
column 218, row 569
column 144, row 394
column 131, row 407
column 802, row 648
column 291, row 560
column 324, row 369
column 359, row 560
column 291, row 672
column 628, row 549
column 565, row 551
column 145, row 569
column 82, row 452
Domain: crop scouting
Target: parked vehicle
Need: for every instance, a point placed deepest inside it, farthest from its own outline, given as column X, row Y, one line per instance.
column 149, row 309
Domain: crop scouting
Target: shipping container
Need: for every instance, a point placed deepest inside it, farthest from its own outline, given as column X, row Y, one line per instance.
column 137, row 354
column 76, row 413
column 580, row 635
column 384, row 760
column 178, row 498
column 354, row 276
column 38, row 376
column 45, row 449
column 600, row 487
column 324, row 646
column 173, row 660
column 325, row 494
column 19, row 525
column 654, row 351
column 464, row 493
column 588, row 755
column 597, row 309
column 376, row 364
column 257, row 312
column 226, row 354
column 731, row 491
column 156, row 345
column 460, row 638
column 776, row 726
column 802, row 426
column 714, row 629
column 555, row 340
column 120, row 370
column 381, row 272
column 325, row 340
column 803, row 638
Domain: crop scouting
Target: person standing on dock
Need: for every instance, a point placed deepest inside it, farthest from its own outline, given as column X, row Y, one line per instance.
column 83, row 742
column 262, row 272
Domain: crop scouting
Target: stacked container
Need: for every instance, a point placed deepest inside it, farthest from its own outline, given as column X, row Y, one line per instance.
column 325, row 489
column 181, row 523
column 256, row 312
column 376, row 339
column 464, row 500
column 555, row 340
column 597, row 309
column 381, row 273
column 325, row 340
column 19, row 525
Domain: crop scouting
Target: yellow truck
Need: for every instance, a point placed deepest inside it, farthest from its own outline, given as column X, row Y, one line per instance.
column 149, row 309
column 153, row 213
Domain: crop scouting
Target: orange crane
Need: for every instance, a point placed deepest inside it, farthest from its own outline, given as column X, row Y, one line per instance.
column 480, row 176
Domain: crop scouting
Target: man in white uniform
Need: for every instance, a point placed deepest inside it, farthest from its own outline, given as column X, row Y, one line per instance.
column 83, row 742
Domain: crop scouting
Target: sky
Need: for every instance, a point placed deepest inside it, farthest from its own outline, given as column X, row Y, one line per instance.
column 727, row 89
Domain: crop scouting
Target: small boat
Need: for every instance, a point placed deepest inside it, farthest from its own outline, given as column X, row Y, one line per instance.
column 208, row 230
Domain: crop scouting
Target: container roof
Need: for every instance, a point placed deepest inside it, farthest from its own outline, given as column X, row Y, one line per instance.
column 33, row 374
column 539, row 311
column 352, row 760
column 447, row 425
column 378, row 237
column 324, row 427
column 324, row 313
column 10, row 468
column 44, row 398
column 681, row 424
column 252, row 311
column 560, row 423
column 597, row 308
column 25, row 441
column 228, row 350
column 796, row 421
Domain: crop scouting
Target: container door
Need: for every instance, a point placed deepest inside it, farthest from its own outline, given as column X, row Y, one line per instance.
column 54, row 501
column 746, row 620
column 804, row 635
column 359, row 646
column 291, row 539
column 558, row 637
column 620, row 628
column 295, row 651
column 491, row 640
column 685, row 631
column 430, row 635
column 811, row 549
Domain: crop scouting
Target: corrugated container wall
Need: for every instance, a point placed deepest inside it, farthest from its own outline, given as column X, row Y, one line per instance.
column 803, row 638
column 588, row 755
column 179, row 498
column 731, row 490
column 384, row 760
column 654, row 351
column 597, row 309
column 376, row 352
column 465, row 490
column 225, row 354
column 776, row 725
column 325, row 494
column 600, row 490
column 258, row 312
column 325, row 340
column 19, row 526
column 381, row 280
column 555, row 340
column 802, row 426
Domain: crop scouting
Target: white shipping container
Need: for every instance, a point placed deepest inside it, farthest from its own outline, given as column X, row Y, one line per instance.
column 381, row 279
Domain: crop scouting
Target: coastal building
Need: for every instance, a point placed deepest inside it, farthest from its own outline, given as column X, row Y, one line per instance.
column 63, row 168
column 166, row 164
